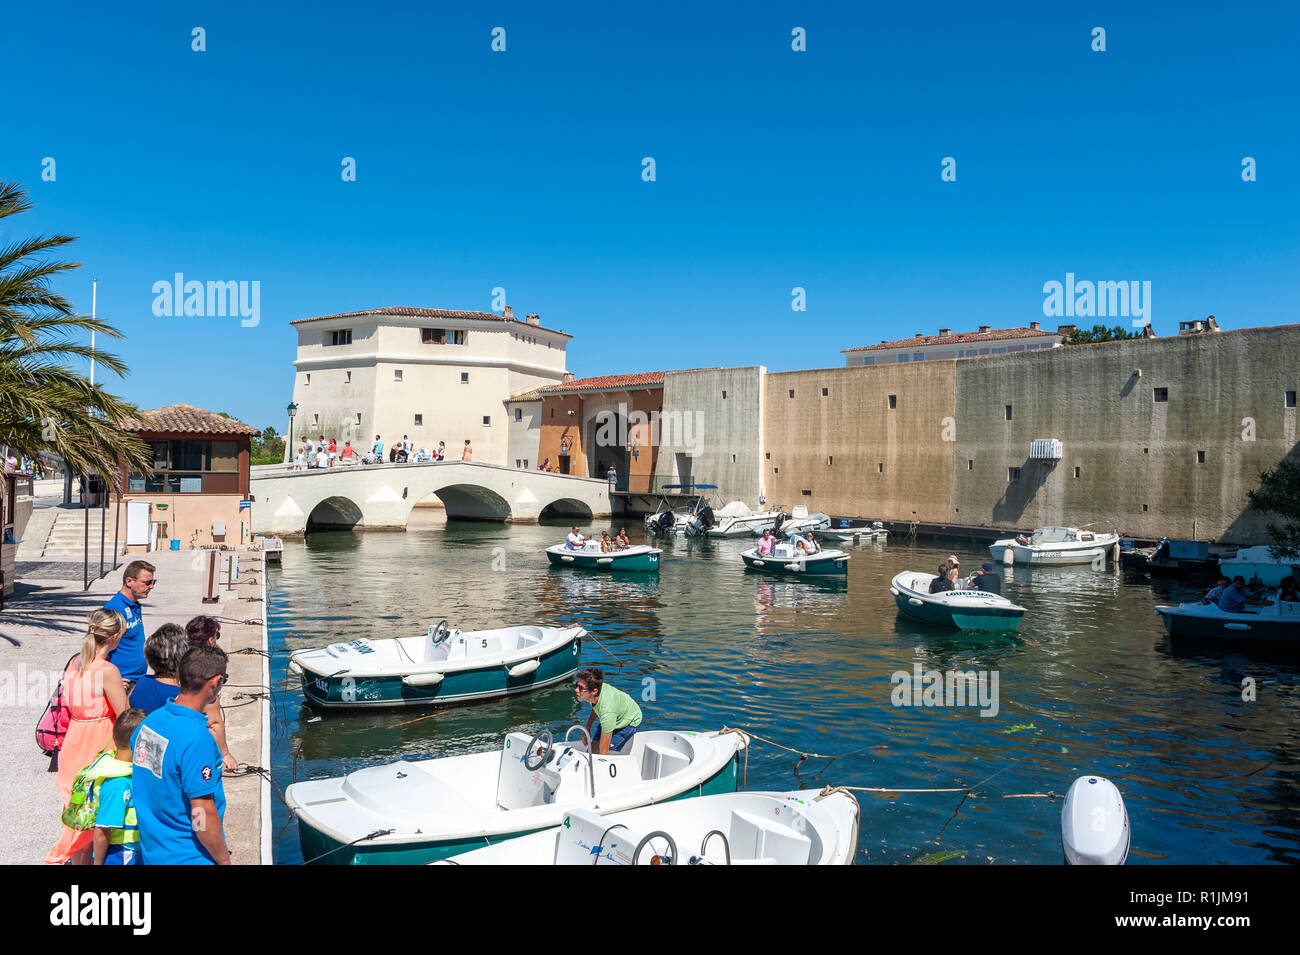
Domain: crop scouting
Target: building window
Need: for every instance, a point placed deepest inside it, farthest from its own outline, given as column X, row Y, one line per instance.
column 347, row 379
column 443, row 336
column 308, row 377
column 190, row 467
column 999, row 351
column 487, row 421
column 830, row 460
column 397, row 374
column 868, row 361
column 341, row 337
column 552, row 412
column 1161, row 394
column 902, row 358
column 776, row 470
column 806, row 493
column 825, row 392
column 519, row 464
column 767, row 455
column 1076, row 472
column 432, row 336
column 358, row 417
column 970, row 464
column 1144, row 507
column 1288, row 400
column 1013, row 474
column 419, row 420
column 733, row 459
column 1200, row 457
column 791, row 392
column 464, row 378
column 893, row 402
column 525, row 464
column 1008, row 412
column 315, row 420
column 880, row 468
column 724, row 394
column 519, row 414
column 918, row 356
column 1146, row 450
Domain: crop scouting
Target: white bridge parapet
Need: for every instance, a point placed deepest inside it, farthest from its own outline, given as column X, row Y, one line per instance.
column 380, row 496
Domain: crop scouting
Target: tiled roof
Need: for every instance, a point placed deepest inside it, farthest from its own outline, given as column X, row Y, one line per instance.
column 407, row 311
column 534, row 395
column 649, row 379
column 994, row 334
column 186, row 419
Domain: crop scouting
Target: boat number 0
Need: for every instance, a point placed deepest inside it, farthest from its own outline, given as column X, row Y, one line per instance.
column 613, row 770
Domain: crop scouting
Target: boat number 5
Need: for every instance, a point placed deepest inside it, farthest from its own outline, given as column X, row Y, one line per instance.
column 485, row 644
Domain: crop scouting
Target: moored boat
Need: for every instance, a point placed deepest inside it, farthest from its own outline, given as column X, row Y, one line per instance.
column 1053, row 546
column 853, row 535
column 642, row 557
column 736, row 519
column 786, row 559
column 962, row 609
column 445, row 665
column 420, row 810
column 1275, row 624
column 751, row 828
column 1257, row 565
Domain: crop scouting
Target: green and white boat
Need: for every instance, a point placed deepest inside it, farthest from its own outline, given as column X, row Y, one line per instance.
column 961, row 609
column 642, row 557
column 422, row 810
column 789, row 560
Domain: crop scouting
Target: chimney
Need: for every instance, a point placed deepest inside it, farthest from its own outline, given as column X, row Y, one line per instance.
column 509, row 313
column 533, row 319
column 1033, row 326
column 984, row 329
column 920, row 334
column 944, row 332
column 568, row 376
column 1066, row 329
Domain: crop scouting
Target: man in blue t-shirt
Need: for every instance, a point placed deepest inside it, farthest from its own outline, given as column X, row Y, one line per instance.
column 137, row 582
column 176, row 785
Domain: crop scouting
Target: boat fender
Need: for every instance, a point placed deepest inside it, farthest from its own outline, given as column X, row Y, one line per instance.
column 915, row 602
column 422, row 679
column 759, row 563
column 893, row 591
column 523, row 669
column 295, row 667
column 1008, row 556
column 604, row 560
column 566, row 558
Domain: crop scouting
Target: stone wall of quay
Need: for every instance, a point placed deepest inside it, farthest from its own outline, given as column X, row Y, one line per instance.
column 712, row 431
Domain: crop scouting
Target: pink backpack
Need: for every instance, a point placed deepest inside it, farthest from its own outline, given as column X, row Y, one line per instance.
column 53, row 725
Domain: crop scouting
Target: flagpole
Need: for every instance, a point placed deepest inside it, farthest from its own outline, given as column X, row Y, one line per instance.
column 94, row 290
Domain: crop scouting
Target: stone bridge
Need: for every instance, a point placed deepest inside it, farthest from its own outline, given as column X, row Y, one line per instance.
column 380, row 496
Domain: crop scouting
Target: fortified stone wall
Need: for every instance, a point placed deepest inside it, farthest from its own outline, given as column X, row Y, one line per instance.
column 834, row 433
column 712, row 431
column 1178, row 467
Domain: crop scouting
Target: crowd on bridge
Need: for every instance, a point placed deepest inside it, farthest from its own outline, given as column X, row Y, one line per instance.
column 322, row 453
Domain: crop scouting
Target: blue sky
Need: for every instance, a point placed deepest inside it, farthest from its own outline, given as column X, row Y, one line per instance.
column 775, row 169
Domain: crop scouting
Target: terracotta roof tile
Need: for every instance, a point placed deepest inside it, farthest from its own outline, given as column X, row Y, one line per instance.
column 534, row 395
column 186, row 419
column 995, row 334
column 407, row 311
column 648, row 379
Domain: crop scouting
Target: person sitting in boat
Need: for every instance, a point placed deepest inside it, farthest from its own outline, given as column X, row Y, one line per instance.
column 941, row 581
column 806, row 544
column 575, row 540
column 615, row 715
column 766, row 543
column 954, row 572
column 1235, row 598
column 1212, row 596
column 606, row 545
column 621, row 542
column 1286, row 590
column 987, row 580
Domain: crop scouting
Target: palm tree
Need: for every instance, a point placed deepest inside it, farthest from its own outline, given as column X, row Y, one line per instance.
column 44, row 403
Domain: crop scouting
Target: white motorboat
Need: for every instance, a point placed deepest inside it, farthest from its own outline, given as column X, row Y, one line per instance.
column 853, row 535
column 734, row 520
column 445, row 665
column 799, row 522
column 421, row 810
column 1094, row 823
column 1275, row 624
column 755, row 828
column 788, row 559
column 1257, row 565
column 962, row 609
column 1053, row 546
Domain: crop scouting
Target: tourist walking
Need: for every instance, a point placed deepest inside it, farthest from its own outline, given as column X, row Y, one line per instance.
column 179, row 798
column 137, row 584
column 442, row 451
column 379, row 449
column 468, row 453
column 92, row 687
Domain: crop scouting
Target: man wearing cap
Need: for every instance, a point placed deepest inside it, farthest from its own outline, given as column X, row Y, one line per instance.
column 987, row 579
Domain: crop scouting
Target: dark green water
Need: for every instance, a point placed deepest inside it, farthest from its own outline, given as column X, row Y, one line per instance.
column 1088, row 685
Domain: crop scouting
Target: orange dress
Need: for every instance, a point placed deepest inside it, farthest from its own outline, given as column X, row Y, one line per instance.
column 90, row 728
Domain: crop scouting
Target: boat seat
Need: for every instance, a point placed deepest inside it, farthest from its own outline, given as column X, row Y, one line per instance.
column 755, row 839
column 658, row 762
column 584, row 833
column 529, row 636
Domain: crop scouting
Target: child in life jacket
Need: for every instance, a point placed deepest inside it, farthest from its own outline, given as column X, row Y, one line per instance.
column 107, row 806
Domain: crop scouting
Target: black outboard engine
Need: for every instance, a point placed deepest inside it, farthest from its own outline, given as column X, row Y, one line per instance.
column 705, row 516
column 663, row 524
column 776, row 527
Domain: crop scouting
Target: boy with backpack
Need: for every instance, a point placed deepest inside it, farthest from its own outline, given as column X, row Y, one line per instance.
column 101, row 798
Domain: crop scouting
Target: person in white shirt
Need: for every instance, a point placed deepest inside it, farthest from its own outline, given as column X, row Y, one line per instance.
column 575, row 540
column 300, row 461
column 322, row 458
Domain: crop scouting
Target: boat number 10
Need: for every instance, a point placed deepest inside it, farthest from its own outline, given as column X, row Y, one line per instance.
column 654, row 558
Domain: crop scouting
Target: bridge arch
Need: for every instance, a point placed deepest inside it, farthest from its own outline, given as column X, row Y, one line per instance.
column 334, row 513
column 472, row 502
column 566, row 508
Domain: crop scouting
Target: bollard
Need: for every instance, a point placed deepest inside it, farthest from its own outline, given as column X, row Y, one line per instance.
column 210, row 594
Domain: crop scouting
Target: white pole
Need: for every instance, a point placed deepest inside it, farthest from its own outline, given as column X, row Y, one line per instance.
column 94, row 291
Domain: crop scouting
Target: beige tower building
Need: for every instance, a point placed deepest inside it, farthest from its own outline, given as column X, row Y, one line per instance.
column 429, row 373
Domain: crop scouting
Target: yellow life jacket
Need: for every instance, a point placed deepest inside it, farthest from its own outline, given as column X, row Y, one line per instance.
column 83, row 803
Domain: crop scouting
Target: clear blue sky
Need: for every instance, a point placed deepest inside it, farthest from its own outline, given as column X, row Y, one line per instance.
column 775, row 169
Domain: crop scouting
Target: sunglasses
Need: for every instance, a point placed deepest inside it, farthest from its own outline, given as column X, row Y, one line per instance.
column 580, row 688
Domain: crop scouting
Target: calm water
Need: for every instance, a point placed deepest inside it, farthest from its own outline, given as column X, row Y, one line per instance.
column 1088, row 685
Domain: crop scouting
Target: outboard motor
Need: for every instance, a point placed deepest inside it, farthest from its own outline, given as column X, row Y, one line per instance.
column 776, row 526
column 1094, row 823
column 659, row 524
column 705, row 516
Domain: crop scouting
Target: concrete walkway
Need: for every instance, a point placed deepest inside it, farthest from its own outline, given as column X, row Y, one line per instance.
column 43, row 624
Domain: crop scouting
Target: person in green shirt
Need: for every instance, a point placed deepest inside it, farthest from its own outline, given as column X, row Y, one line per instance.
column 615, row 714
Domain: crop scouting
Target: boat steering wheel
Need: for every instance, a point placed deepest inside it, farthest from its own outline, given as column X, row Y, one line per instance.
column 543, row 755
column 659, row 858
column 441, row 632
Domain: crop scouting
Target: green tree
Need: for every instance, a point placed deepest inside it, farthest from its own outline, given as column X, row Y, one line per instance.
column 1279, row 493
column 1099, row 333
column 45, row 403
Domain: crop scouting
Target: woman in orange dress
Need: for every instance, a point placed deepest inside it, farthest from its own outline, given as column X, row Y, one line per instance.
column 95, row 694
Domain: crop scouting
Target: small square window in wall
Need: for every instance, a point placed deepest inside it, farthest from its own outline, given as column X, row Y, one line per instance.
column 1288, row 400
column 830, row 460
column 970, row 464
column 464, row 378
column 519, row 414
column 358, row 417
column 733, row 459
column 315, row 420
column 487, row 421
column 893, row 402
column 347, row 378
column 791, row 392
column 1076, row 472
column 880, row 468
column 724, row 394
column 825, row 392
column 806, row 493
column 1008, row 412
column 776, row 470
column 1146, row 450
column 1161, row 394
column 419, row 420
column 308, row 377
column 1144, row 507
column 1200, row 457
column 397, row 374
column 1013, row 474
column 767, row 456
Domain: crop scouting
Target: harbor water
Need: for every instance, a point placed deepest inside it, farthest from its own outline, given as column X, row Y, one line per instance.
column 1202, row 745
